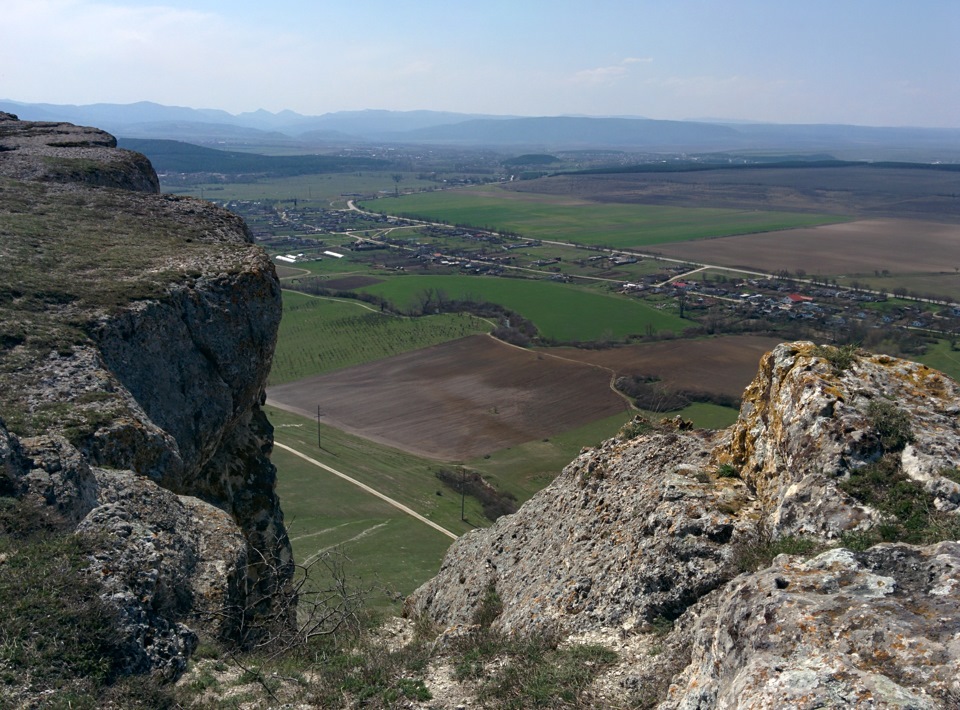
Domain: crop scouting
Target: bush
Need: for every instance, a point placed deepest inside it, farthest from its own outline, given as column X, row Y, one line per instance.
column 532, row 672
column 841, row 358
column 891, row 424
column 909, row 509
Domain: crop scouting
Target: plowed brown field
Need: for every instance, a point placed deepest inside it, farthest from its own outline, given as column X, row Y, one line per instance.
column 723, row 365
column 458, row 400
column 477, row 395
column 862, row 247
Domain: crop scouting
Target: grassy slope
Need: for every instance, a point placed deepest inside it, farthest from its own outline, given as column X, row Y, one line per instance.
column 559, row 311
column 545, row 217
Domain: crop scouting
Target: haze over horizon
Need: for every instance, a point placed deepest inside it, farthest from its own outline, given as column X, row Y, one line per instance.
column 863, row 62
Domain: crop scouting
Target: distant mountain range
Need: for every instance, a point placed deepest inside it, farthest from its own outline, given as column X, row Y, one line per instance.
column 263, row 128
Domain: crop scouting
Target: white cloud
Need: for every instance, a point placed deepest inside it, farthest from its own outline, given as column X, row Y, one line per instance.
column 600, row 75
column 608, row 75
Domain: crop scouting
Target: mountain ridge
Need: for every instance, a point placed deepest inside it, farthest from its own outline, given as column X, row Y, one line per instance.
column 151, row 120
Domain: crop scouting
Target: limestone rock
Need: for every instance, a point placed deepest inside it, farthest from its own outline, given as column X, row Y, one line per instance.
column 873, row 629
column 64, row 153
column 138, row 332
column 630, row 531
column 803, row 426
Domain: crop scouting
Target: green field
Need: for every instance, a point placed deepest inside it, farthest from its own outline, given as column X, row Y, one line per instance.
column 942, row 357
column 323, row 334
column 560, row 311
column 612, row 225
column 323, row 511
column 321, row 190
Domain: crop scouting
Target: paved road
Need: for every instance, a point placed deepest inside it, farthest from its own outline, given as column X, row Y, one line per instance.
column 368, row 489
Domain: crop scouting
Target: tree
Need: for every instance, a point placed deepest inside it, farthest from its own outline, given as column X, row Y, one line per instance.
column 397, row 177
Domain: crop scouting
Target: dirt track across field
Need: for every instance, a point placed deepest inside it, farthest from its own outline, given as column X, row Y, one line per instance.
column 458, row 400
column 477, row 395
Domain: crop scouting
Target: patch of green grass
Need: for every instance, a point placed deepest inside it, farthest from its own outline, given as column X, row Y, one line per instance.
column 952, row 474
column 320, row 335
column 891, row 424
column 531, row 672
column 615, row 225
column 941, row 356
column 910, row 515
column 560, row 311
column 760, row 550
column 56, row 634
column 526, row 468
column 726, row 470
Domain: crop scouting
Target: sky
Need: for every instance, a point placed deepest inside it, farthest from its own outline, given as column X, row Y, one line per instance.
column 864, row 62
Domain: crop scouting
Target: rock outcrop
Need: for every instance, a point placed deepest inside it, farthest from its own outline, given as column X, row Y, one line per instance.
column 138, row 332
column 669, row 529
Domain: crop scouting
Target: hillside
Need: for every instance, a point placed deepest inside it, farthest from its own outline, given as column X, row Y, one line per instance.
column 179, row 157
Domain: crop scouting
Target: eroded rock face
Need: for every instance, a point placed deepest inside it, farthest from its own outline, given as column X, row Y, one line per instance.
column 660, row 526
column 64, row 153
column 874, row 629
column 131, row 391
column 804, row 425
column 625, row 534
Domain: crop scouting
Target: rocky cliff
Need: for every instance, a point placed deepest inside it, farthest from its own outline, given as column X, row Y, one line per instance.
column 137, row 332
column 806, row 557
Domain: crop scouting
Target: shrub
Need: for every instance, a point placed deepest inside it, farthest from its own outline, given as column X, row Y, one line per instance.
column 841, row 358
column 891, row 424
column 495, row 503
column 726, row 470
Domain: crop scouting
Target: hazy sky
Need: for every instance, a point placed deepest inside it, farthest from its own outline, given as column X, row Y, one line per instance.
column 869, row 62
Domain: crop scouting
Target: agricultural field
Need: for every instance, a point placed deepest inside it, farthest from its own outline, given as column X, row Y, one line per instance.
column 561, row 312
column 323, row 190
column 459, row 400
column 400, row 397
column 863, row 191
column 725, row 365
column 863, row 247
column 386, row 549
column 942, row 356
column 572, row 220
column 319, row 335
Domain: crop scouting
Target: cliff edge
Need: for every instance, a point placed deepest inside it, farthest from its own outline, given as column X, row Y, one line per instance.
column 806, row 557
column 138, row 330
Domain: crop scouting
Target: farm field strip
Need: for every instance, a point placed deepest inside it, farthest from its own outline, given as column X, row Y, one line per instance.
column 458, row 400
column 591, row 223
column 861, row 247
column 320, row 335
column 559, row 311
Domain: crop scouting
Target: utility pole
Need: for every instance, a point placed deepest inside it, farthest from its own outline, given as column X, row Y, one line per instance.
column 319, row 445
column 463, row 492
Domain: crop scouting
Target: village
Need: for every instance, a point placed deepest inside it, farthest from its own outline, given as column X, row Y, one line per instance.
column 719, row 300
